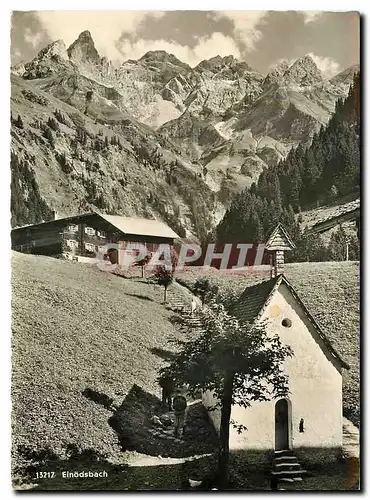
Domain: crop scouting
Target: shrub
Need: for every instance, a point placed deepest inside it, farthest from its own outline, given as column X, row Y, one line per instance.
column 53, row 124
column 63, row 162
column 48, row 134
column 17, row 121
column 30, row 96
column 60, row 117
column 204, row 289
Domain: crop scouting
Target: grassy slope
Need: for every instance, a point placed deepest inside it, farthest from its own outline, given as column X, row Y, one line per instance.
column 74, row 327
column 331, row 292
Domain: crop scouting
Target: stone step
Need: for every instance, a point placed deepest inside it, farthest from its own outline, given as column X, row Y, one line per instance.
column 288, row 473
column 281, row 453
column 287, row 466
column 290, row 480
column 285, row 458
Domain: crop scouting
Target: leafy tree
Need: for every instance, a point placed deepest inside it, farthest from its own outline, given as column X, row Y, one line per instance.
column 354, row 247
column 142, row 263
column 338, row 244
column 239, row 362
column 204, row 289
column 164, row 277
column 309, row 248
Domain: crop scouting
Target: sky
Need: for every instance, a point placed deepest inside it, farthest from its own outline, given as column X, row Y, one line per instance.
column 261, row 38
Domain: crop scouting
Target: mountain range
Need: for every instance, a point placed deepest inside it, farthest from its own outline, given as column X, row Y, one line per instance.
column 155, row 137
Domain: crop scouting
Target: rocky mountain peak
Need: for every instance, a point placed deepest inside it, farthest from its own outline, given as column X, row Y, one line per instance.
column 50, row 60
column 216, row 63
column 304, row 71
column 345, row 77
column 83, row 49
column 57, row 48
column 277, row 73
column 155, row 57
column 160, row 55
column 18, row 69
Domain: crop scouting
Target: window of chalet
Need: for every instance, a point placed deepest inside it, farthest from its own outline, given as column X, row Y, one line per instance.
column 73, row 228
column 90, row 231
column 90, row 247
column 152, row 247
column 101, row 234
column 72, row 243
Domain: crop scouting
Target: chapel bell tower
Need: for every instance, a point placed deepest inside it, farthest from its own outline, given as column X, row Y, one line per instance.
column 278, row 242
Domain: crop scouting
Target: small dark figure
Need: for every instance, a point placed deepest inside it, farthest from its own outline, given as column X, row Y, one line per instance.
column 301, row 425
column 168, row 386
column 179, row 405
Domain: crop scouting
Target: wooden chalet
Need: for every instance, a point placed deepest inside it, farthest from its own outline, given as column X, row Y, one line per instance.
column 81, row 236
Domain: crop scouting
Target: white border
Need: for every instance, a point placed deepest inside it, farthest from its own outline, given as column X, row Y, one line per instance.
column 6, row 7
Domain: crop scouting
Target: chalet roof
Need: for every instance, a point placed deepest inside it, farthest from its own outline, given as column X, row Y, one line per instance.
column 280, row 235
column 126, row 225
column 254, row 300
column 344, row 213
column 142, row 227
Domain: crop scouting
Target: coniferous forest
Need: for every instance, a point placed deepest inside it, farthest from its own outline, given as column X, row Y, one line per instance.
column 324, row 173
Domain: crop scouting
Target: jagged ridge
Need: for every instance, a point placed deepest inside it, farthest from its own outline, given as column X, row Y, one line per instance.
column 221, row 119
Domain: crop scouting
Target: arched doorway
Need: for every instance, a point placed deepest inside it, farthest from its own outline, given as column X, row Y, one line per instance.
column 282, row 417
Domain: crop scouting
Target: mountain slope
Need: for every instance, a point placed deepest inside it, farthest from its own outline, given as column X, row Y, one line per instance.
column 184, row 140
column 324, row 172
column 266, row 119
column 102, row 159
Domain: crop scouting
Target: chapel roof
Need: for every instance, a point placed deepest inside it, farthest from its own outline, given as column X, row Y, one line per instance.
column 255, row 299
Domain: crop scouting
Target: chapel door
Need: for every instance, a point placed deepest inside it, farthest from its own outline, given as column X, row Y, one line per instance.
column 281, row 425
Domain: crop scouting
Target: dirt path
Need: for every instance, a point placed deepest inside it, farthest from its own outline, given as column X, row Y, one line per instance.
column 141, row 460
column 351, row 439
